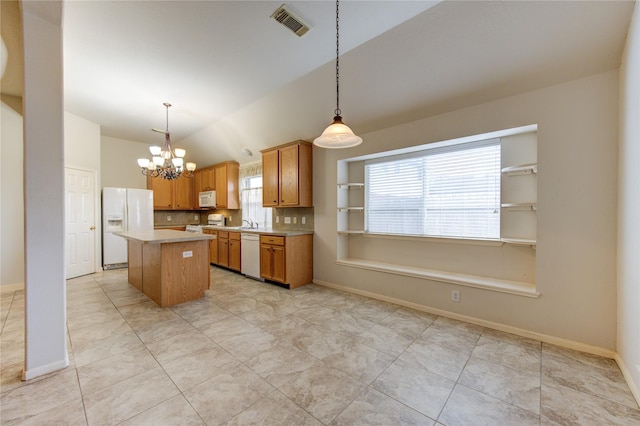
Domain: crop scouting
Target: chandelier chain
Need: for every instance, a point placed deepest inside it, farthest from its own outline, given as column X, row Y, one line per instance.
column 338, row 112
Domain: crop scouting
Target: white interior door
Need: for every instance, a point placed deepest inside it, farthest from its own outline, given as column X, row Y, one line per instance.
column 80, row 222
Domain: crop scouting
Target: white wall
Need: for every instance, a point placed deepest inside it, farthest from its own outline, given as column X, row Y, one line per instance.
column 628, row 210
column 11, row 199
column 81, row 143
column 119, row 163
column 575, row 258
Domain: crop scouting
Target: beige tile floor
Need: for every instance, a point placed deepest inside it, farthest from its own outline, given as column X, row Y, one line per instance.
column 255, row 353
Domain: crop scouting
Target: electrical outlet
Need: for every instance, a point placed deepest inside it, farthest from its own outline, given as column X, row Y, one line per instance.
column 277, row 219
column 195, row 217
column 230, row 218
column 287, row 220
column 295, row 220
column 304, row 220
column 168, row 218
column 455, row 296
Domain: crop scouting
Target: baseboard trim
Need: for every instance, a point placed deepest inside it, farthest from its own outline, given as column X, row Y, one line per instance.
column 633, row 386
column 45, row 369
column 570, row 344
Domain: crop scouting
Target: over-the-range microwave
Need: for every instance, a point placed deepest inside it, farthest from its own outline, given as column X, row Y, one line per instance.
column 207, row 199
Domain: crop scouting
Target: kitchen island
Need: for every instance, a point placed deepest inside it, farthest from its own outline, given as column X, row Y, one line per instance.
column 169, row 266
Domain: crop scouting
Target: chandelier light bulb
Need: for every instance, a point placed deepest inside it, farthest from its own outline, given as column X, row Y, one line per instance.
column 179, row 152
column 155, row 150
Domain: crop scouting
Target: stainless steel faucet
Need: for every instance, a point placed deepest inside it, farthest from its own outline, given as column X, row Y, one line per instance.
column 249, row 222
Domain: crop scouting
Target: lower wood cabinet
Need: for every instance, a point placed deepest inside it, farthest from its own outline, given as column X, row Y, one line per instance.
column 234, row 251
column 287, row 260
column 213, row 245
column 229, row 250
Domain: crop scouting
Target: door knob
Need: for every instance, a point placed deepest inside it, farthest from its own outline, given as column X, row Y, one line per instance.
column 92, row 228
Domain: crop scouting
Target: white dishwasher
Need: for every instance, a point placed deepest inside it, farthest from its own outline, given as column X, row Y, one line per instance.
column 250, row 255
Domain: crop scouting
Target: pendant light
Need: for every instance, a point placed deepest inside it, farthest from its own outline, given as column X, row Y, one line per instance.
column 166, row 162
column 338, row 134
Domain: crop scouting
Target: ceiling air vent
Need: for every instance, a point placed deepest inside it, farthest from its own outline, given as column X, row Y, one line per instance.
column 286, row 17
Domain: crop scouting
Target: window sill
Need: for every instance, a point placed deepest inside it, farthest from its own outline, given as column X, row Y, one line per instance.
column 492, row 284
column 469, row 241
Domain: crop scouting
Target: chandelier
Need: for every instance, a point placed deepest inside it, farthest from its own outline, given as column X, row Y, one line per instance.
column 338, row 134
column 166, row 163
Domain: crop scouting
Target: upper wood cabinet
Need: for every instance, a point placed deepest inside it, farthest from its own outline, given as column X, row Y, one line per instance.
column 227, row 185
column 287, row 175
column 174, row 194
column 162, row 193
column 183, row 193
column 204, row 180
column 224, row 179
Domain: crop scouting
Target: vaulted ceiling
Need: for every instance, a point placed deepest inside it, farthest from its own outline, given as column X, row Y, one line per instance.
column 238, row 79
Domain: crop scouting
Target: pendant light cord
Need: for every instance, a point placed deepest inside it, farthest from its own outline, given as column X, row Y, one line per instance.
column 337, row 111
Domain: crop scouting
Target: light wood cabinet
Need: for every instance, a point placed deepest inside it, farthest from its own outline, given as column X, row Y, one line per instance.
column 227, row 185
column 213, row 245
column 162, row 193
column 229, row 250
column 287, row 260
column 174, row 194
column 234, row 251
column 287, row 175
column 203, row 180
column 223, row 248
column 183, row 193
column 270, row 191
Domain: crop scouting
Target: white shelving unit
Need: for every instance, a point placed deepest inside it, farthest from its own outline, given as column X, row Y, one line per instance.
column 350, row 208
column 519, row 205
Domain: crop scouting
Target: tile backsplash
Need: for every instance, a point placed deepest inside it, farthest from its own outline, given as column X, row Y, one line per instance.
column 292, row 218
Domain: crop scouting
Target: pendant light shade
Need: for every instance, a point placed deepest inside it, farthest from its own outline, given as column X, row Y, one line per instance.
column 338, row 134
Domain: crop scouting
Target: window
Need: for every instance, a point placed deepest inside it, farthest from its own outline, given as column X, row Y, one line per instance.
column 251, row 201
column 451, row 192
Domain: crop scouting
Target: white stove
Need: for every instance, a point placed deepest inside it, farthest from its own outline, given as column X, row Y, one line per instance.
column 216, row 219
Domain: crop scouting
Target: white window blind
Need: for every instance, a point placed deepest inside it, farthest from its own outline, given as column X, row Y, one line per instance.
column 450, row 191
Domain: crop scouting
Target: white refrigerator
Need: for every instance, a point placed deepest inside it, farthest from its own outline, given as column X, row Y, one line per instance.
column 123, row 209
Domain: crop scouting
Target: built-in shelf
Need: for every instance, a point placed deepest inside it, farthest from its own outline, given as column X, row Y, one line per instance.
column 350, row 185
column 350, row 209
column 520, row 206
column 522, row 169
column 351, row 232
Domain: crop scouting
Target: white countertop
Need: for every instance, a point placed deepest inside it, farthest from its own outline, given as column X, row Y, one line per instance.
column 159, row 236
